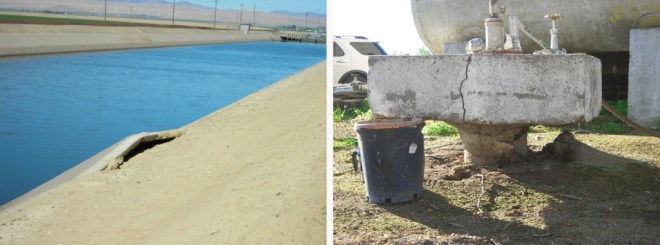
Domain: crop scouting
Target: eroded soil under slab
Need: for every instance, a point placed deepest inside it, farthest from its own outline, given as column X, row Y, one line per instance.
column 609, row 192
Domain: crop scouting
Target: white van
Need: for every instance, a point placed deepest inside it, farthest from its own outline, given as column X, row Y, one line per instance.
column 351, row 58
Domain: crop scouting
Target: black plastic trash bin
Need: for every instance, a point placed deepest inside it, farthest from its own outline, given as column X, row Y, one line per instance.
column 392, row 156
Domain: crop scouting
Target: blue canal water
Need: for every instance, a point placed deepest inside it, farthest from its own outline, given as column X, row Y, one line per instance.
column 57, row 111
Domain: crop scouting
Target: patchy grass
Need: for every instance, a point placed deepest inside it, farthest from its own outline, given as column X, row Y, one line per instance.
column 339, row 114
column 607, row 123
column 543, row 129
column 361, row 112
column 610, row 195
column 439, row 128
column 609, row 127
column 342, row 143
column 620, row 105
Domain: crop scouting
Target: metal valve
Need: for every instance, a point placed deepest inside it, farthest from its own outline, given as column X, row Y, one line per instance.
column 553, row 17
column 554, row 32
column 494, row 27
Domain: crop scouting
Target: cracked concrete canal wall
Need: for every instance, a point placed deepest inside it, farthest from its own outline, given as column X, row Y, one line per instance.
column 487, row 89
column 18, row 39
column 109, row 158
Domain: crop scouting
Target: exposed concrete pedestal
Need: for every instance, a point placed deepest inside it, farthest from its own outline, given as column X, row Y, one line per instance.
column 490, row 98
column 487, row 144
column 644, row 78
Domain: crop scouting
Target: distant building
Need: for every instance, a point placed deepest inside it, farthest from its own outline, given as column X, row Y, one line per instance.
column 245, row 28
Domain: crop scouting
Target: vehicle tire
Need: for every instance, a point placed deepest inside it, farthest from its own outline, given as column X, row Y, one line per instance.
column 349, row 78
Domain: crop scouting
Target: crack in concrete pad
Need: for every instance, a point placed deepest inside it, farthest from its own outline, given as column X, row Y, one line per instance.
column 460, row 89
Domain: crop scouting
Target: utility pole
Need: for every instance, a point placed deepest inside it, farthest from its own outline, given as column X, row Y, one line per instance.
column 306, row 21
column 215, row 13
column 131, row 15
column 240, row 17
column 105, row 12
column 173, row 9
column 254, row 15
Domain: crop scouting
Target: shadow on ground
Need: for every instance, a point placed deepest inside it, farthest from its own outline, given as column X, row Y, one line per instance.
column 435, row 212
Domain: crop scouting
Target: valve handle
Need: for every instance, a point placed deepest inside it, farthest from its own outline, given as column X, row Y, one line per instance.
column 553, row 17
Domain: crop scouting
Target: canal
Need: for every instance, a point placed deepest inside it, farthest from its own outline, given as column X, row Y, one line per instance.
column 57, row 111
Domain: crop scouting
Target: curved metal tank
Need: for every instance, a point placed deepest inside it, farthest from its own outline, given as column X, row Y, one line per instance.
column 589, row 26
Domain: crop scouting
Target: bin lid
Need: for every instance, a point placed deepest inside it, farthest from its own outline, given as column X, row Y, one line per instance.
column 388, row 123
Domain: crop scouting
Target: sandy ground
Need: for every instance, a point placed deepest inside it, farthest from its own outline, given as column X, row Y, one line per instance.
column 252, row 173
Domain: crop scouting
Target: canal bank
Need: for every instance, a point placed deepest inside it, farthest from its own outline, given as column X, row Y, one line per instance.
column 252, row 172
column 24, row 39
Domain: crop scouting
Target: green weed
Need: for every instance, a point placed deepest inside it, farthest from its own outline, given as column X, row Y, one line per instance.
column 620, row 105
column 439, row 128
column 361, row 112
column 424, row 51
column 608, row 127
column 542, row 129
column 607, row 123
column 339, row 114
column 344, row 143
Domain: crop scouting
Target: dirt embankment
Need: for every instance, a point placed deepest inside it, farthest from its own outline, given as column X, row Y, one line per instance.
column 251, row 173
column 23, row 39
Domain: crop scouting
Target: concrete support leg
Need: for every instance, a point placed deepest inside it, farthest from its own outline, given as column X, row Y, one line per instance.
column 490, row 144
column 644, row 78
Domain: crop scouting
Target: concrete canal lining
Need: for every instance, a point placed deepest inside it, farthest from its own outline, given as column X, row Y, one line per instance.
column 110, row 158
column 19, row 39
column 26, row 40
column 256, row 165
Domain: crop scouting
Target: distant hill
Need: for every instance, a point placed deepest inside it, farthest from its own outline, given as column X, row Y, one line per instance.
column 310, row 14
column 138, row 1
column 179, row 3
column 163, row 9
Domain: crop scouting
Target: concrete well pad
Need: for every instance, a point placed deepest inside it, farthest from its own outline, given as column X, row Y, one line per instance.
column 487, row 89
column 491, row 99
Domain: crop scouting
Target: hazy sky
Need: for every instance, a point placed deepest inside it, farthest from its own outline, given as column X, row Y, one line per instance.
column 301, row 6
column 387, row 21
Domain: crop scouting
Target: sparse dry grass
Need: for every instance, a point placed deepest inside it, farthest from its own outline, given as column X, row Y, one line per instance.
column 608, row 194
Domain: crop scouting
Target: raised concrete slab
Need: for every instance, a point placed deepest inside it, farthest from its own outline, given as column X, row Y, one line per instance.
column 644, row 77
column 487, row 89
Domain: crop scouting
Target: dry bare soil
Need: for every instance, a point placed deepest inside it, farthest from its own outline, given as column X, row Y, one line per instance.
column 607, row 193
